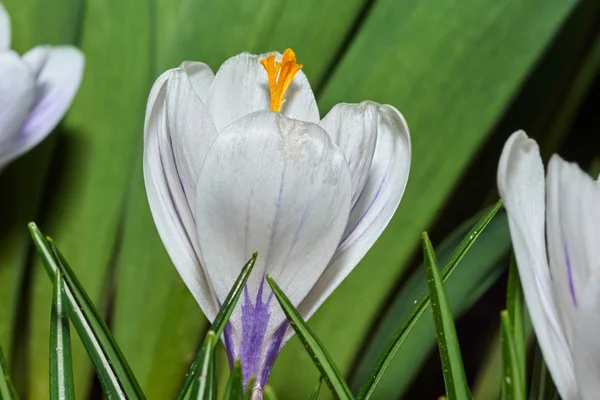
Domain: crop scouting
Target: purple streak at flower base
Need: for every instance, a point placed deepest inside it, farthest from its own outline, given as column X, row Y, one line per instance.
column 272, row 353
column 228, row 342
column 255, row 320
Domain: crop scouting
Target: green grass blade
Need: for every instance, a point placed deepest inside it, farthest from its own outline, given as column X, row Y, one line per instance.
column 315, row 393
column 112, row 369
column 7, row 390
column 454, row 371
column 61, row 364
column 515, row 304
column 468, row 241
column 235, row 388
column 542, row 385
column 512, row 388
column 248, row 392
column 421, row 305
column 315, row 349
column 204, row 386
column 219, row 323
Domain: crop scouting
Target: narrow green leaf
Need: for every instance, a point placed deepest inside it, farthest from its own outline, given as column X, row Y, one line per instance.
column 235, row 389
column 112, row 369
column 7, row 390
column 194, row 389
column 315, row 393
column 61, row 364
column 454, row 371
column 512, row 388
column 421, row 305
column 315, row 349
column 248, row 392
column 204, row 386
column 516, row 312
column 219, row 323
column 542, row 385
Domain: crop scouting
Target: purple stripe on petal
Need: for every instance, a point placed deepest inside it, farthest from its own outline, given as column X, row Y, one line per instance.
column 272, row 352
column 570, row 274
column 358, row 221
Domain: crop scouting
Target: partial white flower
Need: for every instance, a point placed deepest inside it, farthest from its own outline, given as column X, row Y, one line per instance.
column 555, row 228
column 240, row 162
column 35, row 91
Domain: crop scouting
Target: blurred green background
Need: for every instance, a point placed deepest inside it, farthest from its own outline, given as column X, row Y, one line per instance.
column 465, row 74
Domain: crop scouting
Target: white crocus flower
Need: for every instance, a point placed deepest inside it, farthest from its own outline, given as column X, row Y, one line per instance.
column 232, row 168
column 35, row 91
column 561, row 282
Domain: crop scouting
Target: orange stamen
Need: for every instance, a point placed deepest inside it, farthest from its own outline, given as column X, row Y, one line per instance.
column 280, row 75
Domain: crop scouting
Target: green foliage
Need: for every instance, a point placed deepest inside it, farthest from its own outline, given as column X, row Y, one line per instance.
column 235, row 389
column 324, row 363
column 542, row 386
column 7, row 390
column 112, row 368
column 452, row 365
column 315, row 393
column 61, row 368
column 488, row 244
column 515, row 306
column 205, row 356
column 512, row 384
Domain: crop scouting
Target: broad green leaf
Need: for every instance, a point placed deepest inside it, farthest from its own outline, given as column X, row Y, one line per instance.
column 7, row 390
column 218, row 325
column 235, row 389
column 542, row 385
column 61, row 365
column 455, row 249
column 111, row 367
column 193, row 30
column 512, row 387
column 452, row 84
column 315, row 393
column 455, row 378
column 515, row 305
column 315, row 349
column 90, row 178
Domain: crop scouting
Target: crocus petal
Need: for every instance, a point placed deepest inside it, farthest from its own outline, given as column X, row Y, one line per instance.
column 201, row 77
column 58, row 72
column 4, row 29
column 241, row 87
column 573, row 233
column 522, row 188
column 36, row 59
column 17, row 93
column 586, row 343
column 375, row 207
column 353, row 127
column 178, row 132
column 280, row 187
